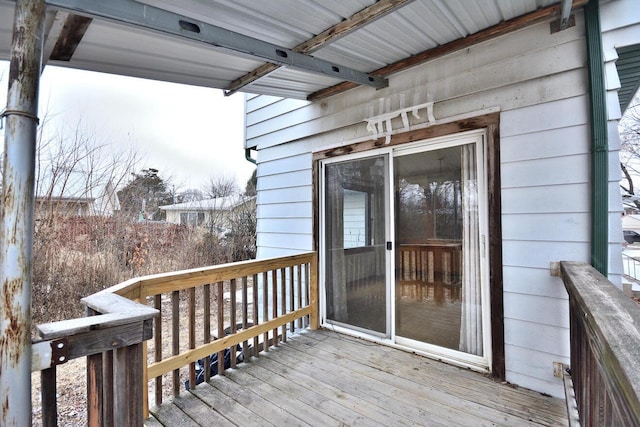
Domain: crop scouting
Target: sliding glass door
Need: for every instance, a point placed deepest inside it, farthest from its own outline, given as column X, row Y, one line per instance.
column 403, row 253
column 438, row 280
column 355, row 230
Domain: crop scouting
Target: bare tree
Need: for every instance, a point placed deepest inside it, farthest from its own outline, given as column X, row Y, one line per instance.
column 221, row 186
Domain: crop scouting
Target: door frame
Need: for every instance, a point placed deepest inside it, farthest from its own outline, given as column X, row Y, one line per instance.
column 489, row 122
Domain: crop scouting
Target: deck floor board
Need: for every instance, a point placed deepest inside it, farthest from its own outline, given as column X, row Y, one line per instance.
column 322, row 378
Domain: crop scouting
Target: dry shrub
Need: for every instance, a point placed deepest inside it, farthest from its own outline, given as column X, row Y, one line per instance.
column 75, row 257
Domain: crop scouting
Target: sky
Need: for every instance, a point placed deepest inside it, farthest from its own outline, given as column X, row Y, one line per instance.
column 190, row 134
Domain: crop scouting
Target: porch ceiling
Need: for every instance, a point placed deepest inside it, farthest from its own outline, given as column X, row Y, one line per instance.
column 363, row 35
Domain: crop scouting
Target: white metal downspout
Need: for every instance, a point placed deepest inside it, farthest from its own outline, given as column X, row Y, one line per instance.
column 16, row 215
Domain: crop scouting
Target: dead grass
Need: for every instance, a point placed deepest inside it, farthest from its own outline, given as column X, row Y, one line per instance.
column 76, row 257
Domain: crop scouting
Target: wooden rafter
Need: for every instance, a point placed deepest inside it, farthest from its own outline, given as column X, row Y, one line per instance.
column 75, row 26
column 463, row 43
column 330, row 35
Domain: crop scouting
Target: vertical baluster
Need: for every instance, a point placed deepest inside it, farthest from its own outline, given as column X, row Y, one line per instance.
column 245, row 315
column 254, row 295
column 49, row 400
column 232, row 318
column 292, row 306
column 206, row 327
column 283, row 300
column 157, row 345
column 265, row 308
column 107, row 388
column 220, row 325
column 192, row 333
column 274, row 303
column 299, row 286
column 127, row 405
column 175, row 336
column 307, row 284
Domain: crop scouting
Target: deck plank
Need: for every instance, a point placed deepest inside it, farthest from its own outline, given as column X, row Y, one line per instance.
column 199, row 411
column 263, row 387
column 418, row 404
column 232, row 410
column 473, row 387
column 169, row 414
column 323, row 378
column 255, row 402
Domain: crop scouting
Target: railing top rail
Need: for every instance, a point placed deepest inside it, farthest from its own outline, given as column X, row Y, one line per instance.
column 630, row 257
column 176, row 280
column 613, row 322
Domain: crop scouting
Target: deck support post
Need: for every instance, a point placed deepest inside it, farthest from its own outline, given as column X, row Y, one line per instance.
column 16, row 217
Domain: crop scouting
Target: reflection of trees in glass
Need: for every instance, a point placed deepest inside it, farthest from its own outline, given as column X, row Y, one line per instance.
column 429, row 208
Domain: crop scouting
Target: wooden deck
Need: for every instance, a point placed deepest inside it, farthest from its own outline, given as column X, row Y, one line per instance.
column 323, row 378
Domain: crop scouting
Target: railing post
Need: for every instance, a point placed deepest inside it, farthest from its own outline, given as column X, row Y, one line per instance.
column 313, row 290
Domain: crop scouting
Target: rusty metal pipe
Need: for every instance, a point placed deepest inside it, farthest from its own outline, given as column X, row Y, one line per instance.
column 16, row 215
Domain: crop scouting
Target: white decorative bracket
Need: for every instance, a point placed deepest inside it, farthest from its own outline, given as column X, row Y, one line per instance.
column 377, row 124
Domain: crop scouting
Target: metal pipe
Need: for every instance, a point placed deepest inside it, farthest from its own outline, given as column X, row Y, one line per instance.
column 599, row 141
column 16, row 216
column 247, row 155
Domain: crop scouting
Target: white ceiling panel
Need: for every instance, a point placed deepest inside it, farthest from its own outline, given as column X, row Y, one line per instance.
column 416, row 27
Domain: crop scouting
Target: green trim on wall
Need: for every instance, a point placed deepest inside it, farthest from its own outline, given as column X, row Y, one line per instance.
column 599, row 141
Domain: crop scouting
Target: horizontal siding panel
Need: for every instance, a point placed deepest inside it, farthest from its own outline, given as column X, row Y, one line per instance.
column 277, row 152
column 619, row 14
column 261, row 101
column 268, row 252
column 532, row 281
column 549, row 115
column 540, row 254
column 288, row 225
column 286, row 164
column 544, row 144
column 546, row 172
column 288, row 195
column 533, row 369
column 537, row 364
column 553, row 388
column 278, row 108
column 549, row 88
column 567, row 227
column 541, row 310
column 284, row 180
column 286, row 240
column 536, row 336
column 555, row 199
column 285, row 210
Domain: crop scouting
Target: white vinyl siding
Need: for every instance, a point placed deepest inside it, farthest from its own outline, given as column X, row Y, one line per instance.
column 538, row 81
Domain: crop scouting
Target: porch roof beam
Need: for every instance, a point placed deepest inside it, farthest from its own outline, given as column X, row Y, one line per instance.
column 358, row 20
column 453, row 46
column 152, row 18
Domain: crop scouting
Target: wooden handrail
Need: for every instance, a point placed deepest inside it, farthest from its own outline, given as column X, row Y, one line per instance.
column 605, row 347
column 113, row 336
column 287, row 304
column 119, row 327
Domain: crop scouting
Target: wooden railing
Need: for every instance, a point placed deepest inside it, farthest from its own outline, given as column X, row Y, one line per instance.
column 605, row 348
column 111, row 338
column 276, row 296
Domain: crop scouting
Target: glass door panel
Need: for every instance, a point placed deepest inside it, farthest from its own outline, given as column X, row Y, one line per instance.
column 355, row 243
column 437, row 295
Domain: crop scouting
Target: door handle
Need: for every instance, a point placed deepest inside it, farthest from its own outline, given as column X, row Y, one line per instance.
column 389, row 246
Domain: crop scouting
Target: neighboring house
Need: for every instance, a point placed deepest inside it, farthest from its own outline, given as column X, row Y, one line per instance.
column 438, row 156
column 75, row 194
column 217, row 212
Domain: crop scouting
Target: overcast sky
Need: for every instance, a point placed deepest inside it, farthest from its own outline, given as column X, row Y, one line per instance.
column 188, row 133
